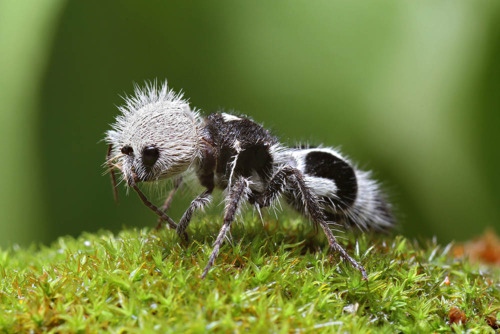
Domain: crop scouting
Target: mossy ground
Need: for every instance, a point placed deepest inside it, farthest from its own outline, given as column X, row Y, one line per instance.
column 272, row 278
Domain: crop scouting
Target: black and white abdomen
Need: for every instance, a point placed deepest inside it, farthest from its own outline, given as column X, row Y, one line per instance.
column 348, row 196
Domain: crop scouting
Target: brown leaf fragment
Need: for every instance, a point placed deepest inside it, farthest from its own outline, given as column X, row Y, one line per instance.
column 457, row 316
column 492, row 321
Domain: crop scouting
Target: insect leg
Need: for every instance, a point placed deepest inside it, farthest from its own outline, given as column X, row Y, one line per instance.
column 198, row 203
column 237, row 193
column 335, row 246
column 168, row 200
column 150, row 205
column 275, row 188
column 295, row 178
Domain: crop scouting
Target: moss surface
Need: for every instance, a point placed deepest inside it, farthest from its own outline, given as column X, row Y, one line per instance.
column 269, row 279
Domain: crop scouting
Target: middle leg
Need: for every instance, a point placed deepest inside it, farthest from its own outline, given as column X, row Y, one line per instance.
column 198, row 203
column 238, row 192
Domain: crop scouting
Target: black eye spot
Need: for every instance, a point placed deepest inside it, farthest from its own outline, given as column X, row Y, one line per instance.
column 149, row 156
column 128, row 150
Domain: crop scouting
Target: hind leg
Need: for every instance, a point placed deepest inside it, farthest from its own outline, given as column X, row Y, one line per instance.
column 310, row 206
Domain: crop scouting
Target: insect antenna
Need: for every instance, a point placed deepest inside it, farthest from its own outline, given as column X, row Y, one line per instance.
column 112, row 173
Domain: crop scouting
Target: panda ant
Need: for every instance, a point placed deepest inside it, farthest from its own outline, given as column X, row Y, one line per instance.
column 159, row 136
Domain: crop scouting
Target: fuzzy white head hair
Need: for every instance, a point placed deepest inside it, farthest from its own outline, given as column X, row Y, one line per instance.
column 156, row 136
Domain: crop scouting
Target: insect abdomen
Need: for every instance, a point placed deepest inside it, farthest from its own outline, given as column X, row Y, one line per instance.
column 330, row 168
column 348, row 196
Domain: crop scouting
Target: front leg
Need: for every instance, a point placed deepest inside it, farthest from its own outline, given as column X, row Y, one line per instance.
column 294, row 178
column 198, row 203
column 238, row 192
column 168, row 200
column 150, row 205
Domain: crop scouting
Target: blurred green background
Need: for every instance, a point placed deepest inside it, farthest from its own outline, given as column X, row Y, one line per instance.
column 410, row 90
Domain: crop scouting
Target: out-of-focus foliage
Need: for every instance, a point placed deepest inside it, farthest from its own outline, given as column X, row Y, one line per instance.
column 410, row 90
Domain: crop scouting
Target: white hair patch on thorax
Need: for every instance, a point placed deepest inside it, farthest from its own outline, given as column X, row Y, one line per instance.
column 230, row 118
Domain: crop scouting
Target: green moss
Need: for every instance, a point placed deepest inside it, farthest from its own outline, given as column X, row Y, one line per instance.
column 270, row 279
